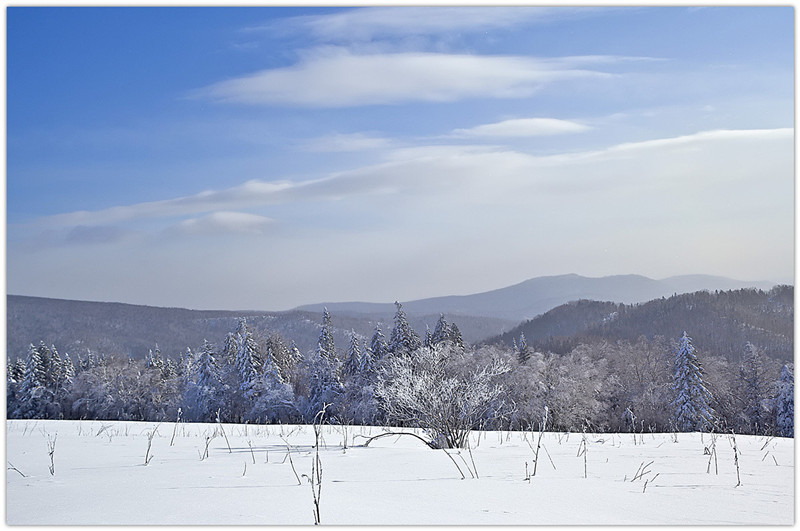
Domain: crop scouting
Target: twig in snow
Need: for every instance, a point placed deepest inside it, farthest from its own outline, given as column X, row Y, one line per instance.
column 253, row 453
column 289, row 455
column 454, row 462
column 15, row 469
column 51, row 448
column 736, row 459
column 147, row 456
column 175, row 429
column 472, row 459
column 223, row 433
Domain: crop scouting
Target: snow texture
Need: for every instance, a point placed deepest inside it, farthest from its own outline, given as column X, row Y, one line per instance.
column 100, row 477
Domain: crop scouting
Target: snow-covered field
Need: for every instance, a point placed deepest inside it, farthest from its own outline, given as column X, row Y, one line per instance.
column 100, row 477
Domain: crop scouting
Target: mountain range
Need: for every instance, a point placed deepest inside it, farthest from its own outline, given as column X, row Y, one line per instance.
column 75, row 326
column 535, row 296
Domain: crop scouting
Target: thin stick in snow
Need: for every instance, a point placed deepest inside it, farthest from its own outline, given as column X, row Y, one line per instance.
column 51, row 448
column 223, row 433
column 289, row 455
column 736, row 459
column 147, row 456
column 454, row 462
column 466, row 465
column 175, row 429
column 15, row 469
column 471, row 458
column 253, row 453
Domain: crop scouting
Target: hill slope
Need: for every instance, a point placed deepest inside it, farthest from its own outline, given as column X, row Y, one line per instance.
column 719, row 322
column 75, row 326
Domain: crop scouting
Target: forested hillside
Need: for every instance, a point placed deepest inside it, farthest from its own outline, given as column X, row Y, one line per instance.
column 611, row 368
column 720, row 322
column 133, row 330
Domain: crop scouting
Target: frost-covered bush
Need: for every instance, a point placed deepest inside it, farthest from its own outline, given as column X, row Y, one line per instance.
column 425, row 390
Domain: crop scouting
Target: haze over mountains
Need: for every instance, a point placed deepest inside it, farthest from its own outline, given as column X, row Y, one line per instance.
column 535, row 296
column 75, row 326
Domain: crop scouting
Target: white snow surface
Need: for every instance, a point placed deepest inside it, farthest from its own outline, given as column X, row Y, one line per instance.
column 100, row 477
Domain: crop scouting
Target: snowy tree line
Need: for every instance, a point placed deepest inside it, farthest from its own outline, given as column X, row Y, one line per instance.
column 434, row 381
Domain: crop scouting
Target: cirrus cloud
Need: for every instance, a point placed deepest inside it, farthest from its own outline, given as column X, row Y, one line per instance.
column 522, row 127
column 335, row 77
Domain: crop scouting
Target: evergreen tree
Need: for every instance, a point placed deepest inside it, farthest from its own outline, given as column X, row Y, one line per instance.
column 378, row 345
column 692, row 402
column 271, row 369
column 784, row 403
column 230, row 347
column 325, row 344
column 324, row 386
column 523, row 354
column 441, row 331
column 16, row 371
column 403, row 339
column 248, row 360
column 294, row 355
column 352, row 362
column 752, row 375
column 32, row 388
column 67, row 371
column 367, row 366
column 202, row 393
column 455, row 336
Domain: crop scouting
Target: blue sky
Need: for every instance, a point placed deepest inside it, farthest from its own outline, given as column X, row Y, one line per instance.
column 269, row 157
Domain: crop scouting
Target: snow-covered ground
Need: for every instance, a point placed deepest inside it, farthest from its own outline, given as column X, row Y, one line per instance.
column 100, row 477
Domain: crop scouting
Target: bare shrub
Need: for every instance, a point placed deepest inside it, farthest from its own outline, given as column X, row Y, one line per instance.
column 427, row 389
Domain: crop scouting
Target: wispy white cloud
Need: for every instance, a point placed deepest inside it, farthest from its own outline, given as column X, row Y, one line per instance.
column 363, row 24
column 336, row 77
column 425, row 171
column 346, row 142
column 522, row 127
column 223, row 223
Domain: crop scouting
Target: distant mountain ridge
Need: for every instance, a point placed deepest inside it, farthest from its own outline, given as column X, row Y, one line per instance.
column 75, row 326
column 535, row 296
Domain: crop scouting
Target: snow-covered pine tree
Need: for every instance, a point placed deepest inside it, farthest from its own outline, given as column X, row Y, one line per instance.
column 271, row 369
column 230, row 347
column 186, row 364
column 154, row 359
column 367, row 366
column 378, row 345
column 54, row 370
column 248, row 361
column 455, row 336
column 325, row 344
column 324, row 386
column 441, row 331
column 16, row 370
column 523, row 354
column 202, row 392
column 294, row 355
column 32, row 387
column 403, row 339
column 67, row 371
column 352, row 362
column 752, row 376
column 784, row 402
column 692, row 402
